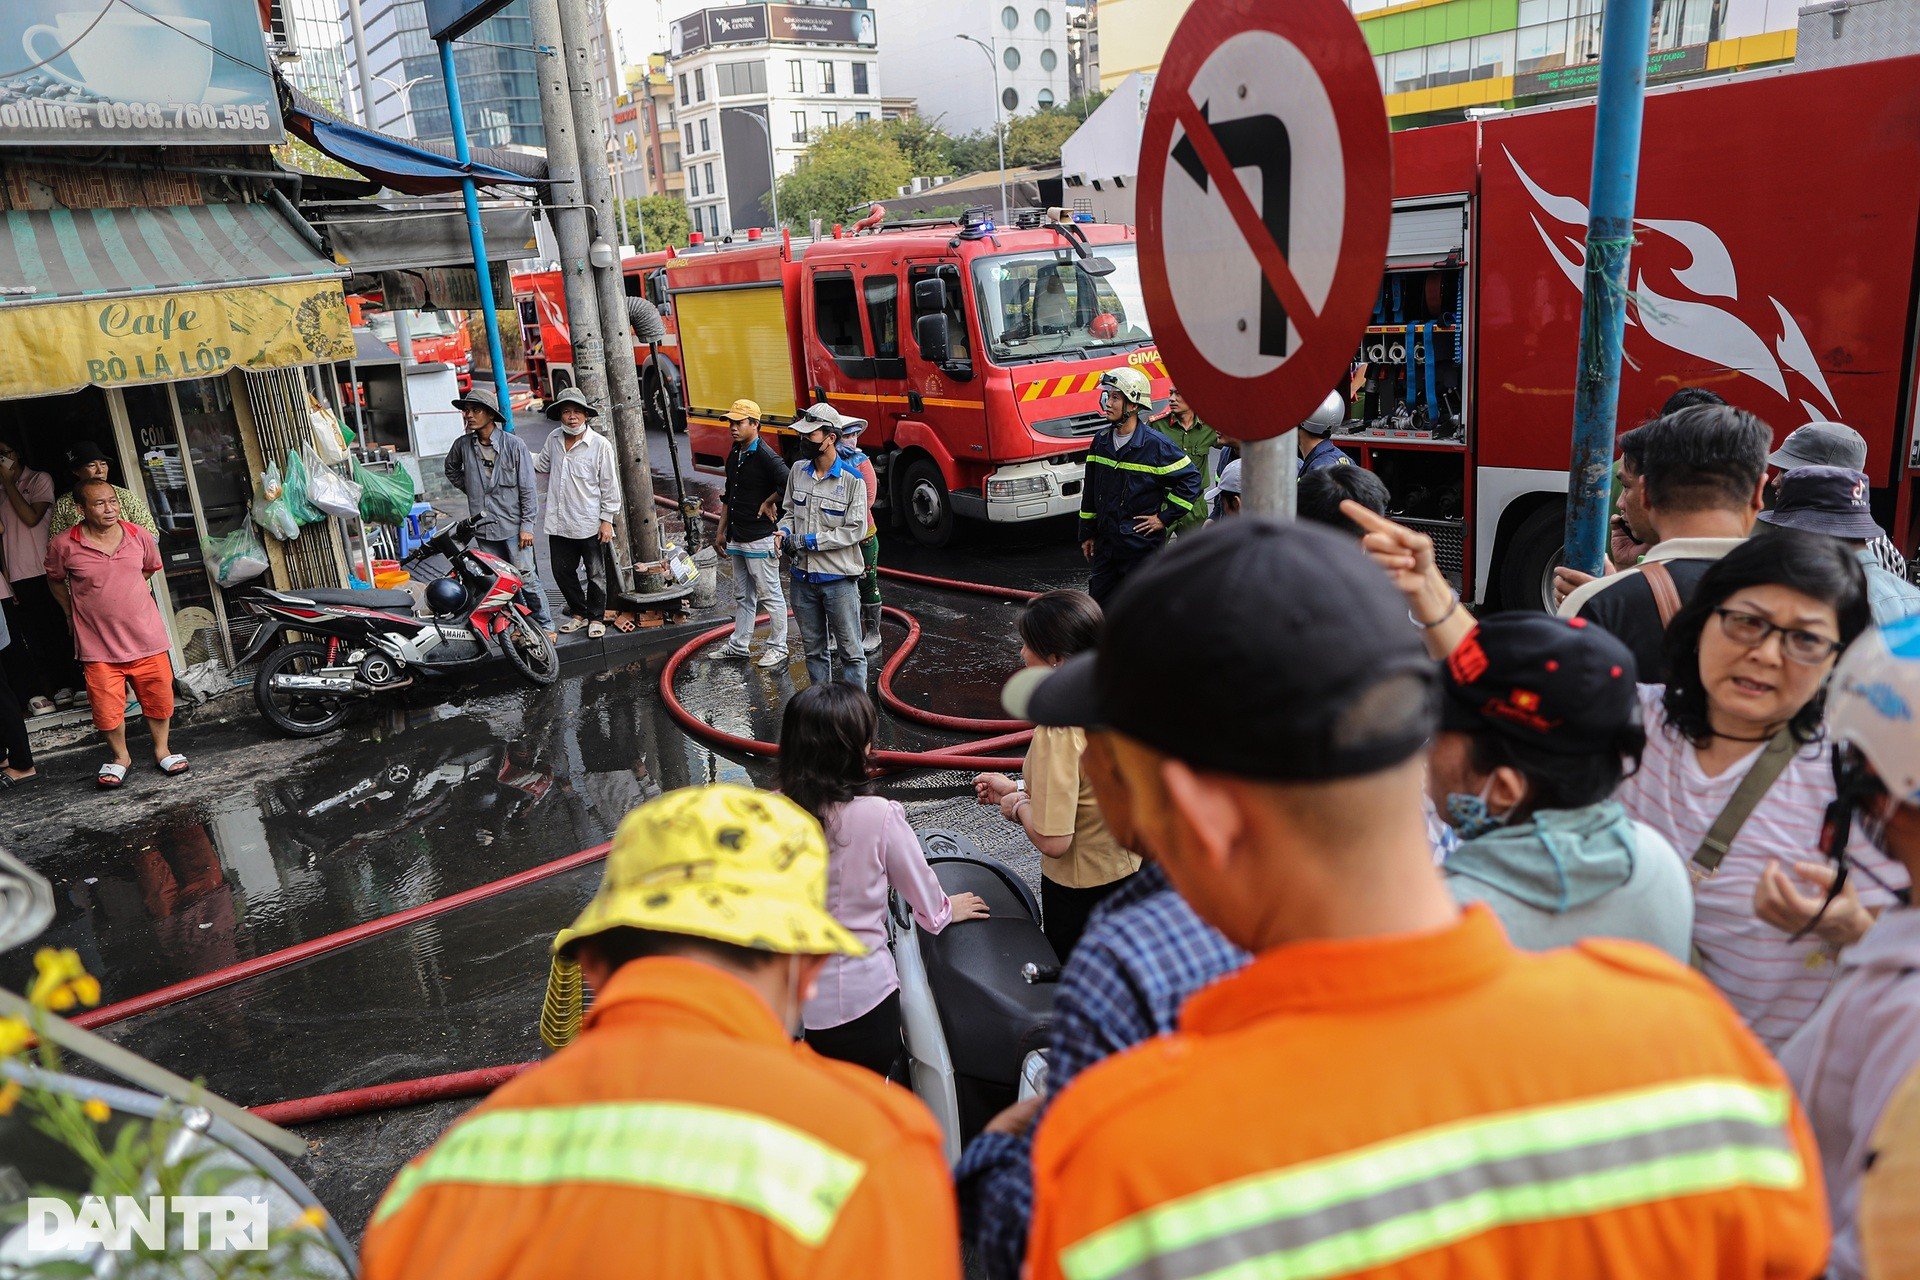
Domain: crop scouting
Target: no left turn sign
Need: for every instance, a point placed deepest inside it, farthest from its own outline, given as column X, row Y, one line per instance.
column 1264, row 203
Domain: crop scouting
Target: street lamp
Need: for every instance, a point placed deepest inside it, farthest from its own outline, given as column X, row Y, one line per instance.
column 773, row 169
column 999, row 134
column 406, row 99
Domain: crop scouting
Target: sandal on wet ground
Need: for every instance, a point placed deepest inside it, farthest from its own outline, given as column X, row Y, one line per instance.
column 173, row 766
column 110, row 775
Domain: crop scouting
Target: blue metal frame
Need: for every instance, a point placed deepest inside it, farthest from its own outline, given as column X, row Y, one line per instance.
column 483, row 278
column 1603, row 310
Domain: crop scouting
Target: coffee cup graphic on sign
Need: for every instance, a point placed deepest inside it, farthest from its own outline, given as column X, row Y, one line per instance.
column 125, row 55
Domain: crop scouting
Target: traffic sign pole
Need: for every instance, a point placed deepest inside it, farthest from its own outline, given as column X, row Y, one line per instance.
column 1268, row 470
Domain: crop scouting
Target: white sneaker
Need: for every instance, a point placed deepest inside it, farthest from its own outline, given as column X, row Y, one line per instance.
column 772, row 658
column 733, row 649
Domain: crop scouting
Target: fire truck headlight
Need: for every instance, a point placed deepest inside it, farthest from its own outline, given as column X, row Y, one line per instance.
column 1021, row 487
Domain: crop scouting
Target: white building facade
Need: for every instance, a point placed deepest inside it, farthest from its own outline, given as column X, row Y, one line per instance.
column 749, row 78
column 928, row 58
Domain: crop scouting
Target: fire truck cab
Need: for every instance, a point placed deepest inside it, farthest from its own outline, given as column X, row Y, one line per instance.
column 973, row 351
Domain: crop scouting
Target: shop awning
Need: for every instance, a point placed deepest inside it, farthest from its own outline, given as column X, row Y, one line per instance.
column 416, row 168
column 114, row 297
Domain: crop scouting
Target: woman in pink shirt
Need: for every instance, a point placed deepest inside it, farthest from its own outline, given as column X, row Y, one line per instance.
column 825, row 736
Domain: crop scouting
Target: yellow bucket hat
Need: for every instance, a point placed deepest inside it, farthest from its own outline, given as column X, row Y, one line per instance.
column 722, row 862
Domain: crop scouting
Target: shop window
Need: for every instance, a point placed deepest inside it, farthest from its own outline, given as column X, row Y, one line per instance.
column 1406, row 71
column 836, row 316
column 1493, row 55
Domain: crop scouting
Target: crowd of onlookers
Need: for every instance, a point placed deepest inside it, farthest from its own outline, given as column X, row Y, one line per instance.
column 1403, row 941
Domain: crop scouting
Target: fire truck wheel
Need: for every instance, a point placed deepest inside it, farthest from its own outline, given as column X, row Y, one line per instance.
column 1533, row 553
column 925, row 504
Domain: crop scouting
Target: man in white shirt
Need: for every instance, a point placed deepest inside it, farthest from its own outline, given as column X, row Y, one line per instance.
column 583, row 497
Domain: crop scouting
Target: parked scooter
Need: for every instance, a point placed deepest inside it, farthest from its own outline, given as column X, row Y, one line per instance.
column 975, row 1001
column 363, row 643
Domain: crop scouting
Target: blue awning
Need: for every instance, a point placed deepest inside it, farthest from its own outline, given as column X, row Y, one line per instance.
column 411, row 167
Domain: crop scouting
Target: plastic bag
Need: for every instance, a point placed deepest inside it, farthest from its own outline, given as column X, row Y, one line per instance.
column 385, row 497
column 294, row 492
column 329, row 490
column 236, row 557
column 273, row 513
column 328, row 440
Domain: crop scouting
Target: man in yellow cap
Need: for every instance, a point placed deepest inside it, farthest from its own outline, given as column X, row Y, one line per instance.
column 683, row 1132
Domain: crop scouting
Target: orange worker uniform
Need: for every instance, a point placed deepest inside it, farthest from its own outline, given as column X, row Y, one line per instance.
column 1436, row 1104
column 681, row 1131
column 683, row 1134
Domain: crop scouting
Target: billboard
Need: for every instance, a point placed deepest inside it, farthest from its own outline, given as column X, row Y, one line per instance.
column 160, row 73
column 779, row 23
column 448, row 19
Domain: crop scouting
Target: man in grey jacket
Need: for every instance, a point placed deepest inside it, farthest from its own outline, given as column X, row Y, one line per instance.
column 826, row 521
column 494, row 468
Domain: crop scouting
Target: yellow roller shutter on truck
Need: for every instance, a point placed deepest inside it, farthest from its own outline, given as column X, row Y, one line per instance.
column 735, row 344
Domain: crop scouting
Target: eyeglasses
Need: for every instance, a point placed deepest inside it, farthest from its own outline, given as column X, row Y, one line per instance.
column 1752, row 630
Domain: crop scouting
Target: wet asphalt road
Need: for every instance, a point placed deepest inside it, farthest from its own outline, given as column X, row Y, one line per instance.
column 269, row 843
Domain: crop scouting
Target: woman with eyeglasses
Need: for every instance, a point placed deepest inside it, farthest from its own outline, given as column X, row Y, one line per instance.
column 1749, row 656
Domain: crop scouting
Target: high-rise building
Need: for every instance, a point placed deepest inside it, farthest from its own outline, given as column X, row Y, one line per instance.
column 1437, row 59
column 751, row 85
column 1083, row 47
column 499, row 86
column 661, row 128
column 927, row 57
column 314, row 49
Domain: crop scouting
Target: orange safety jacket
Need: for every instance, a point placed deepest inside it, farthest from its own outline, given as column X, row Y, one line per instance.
column 682, row 1134
column 1437, row 1104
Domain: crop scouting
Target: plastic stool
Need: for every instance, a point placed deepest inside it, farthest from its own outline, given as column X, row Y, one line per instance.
column 411, row 537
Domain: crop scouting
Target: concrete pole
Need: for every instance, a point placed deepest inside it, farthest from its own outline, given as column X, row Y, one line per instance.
column 1268, row 469
column 623, row 380
column 572, row 223
column 362, row 71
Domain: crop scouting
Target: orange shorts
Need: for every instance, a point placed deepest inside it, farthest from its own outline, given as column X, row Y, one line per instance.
column 152, row 680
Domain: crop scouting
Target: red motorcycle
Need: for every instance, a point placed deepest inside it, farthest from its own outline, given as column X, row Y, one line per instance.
column 359, row 644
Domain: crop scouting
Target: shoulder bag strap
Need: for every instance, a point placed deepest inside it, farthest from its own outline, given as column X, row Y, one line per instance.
column 1765, row 772
column 1666, row 596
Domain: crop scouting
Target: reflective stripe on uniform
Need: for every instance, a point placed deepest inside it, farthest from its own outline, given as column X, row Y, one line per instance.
column 1167, row 470
column 756, row 1164
column 1425, row 1190
column 1180, row 502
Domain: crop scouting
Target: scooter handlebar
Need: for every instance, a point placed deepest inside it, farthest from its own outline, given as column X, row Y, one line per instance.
column 1038, row 973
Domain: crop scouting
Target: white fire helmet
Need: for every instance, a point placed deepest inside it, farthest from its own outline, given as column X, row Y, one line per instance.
column 1874, row 703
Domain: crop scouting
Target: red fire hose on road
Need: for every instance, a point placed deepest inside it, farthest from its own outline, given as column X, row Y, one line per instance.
column 386, row 1097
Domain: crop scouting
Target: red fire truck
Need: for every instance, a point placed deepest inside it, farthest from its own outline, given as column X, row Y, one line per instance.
column 972, row 350
column 1778, row 217
column 541, row 299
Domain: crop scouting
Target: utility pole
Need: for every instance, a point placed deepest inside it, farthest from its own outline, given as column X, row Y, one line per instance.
column 567, row 210
column 999, row 132
column 1603, row 308
column 363, row 72
column 1268, row 469
column 623, row 381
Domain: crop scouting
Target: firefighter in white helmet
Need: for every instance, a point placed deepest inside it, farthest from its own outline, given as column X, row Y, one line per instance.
column 1138, row 483
column 1317, row 450
column 1848, row 1059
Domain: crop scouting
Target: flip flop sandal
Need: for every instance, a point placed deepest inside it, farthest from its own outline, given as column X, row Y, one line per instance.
column 573, row 625
column 110, row 776
column 595, row 631
column 8, row 782
column 173, row 766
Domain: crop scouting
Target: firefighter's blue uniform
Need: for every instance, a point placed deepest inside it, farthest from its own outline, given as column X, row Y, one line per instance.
column 1323, row 455
column 1151, row 475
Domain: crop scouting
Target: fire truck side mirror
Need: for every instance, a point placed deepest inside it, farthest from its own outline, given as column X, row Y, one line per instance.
column 1098, row 266
column 929, row 295
column 930, row 332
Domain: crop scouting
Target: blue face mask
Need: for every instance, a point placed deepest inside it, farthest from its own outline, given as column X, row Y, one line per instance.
column 1468, row 815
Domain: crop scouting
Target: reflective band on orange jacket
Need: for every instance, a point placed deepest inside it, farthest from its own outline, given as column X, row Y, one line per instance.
column 1439, row 1104
column 681, row 1135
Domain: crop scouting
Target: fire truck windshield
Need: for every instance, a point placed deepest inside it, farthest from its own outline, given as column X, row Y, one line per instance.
column 1039, row 306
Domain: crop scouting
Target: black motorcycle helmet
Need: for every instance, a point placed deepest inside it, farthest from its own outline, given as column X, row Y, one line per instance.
column 446, row 597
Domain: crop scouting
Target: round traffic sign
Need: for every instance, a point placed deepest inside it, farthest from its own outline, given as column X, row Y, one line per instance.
column 1264, row 202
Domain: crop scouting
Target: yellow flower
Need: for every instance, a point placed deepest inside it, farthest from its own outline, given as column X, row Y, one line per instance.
column 15, row 1035
column 313, row 1219
column 62, row 981
column 9, row 1094
column 96, row 1110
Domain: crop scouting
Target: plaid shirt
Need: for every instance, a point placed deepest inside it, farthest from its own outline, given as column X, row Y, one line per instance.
column 1144, row 952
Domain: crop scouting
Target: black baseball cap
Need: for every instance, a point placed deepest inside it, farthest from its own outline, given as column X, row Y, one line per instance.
column 1311, row 670
column 1829, row 500
column 1556, row 684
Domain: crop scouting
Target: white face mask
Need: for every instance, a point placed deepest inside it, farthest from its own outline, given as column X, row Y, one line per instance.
column 575, row 430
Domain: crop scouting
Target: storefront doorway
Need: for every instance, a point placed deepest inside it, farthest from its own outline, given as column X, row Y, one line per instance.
column 178, row 446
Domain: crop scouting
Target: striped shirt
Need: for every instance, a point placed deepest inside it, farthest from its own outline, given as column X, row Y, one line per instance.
column 1774, row 982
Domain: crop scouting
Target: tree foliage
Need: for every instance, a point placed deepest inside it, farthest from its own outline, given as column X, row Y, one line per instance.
column 663, row 219
column 845, row 166
column 1036, row 139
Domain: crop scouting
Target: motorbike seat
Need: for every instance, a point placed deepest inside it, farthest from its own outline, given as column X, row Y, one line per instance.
column 374, row 599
